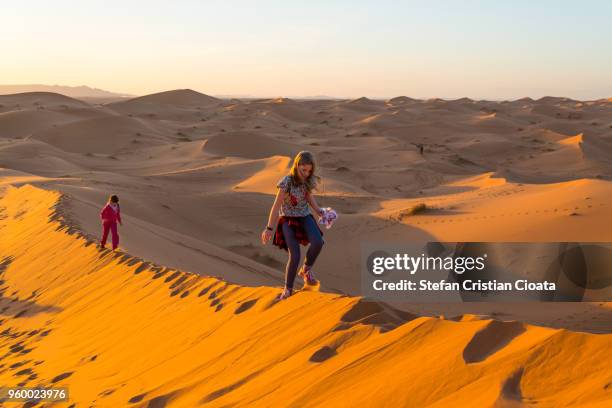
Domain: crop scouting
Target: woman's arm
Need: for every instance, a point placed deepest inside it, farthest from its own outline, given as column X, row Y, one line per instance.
column 273, row 217
column 266, row 235
column 313, row 203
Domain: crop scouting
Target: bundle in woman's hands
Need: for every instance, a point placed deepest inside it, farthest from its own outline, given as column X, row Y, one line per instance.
column 327, row 217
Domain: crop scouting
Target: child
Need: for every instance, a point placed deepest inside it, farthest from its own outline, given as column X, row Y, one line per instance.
column 110, row 215
column 291, row 222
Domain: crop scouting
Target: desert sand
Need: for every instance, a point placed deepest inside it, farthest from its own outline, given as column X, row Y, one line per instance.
column 184, row 314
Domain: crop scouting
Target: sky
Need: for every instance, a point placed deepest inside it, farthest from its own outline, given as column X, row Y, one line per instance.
column 379, row 49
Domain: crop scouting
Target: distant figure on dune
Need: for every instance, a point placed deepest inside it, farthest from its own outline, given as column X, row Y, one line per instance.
column 290, row 222
column 110, row 215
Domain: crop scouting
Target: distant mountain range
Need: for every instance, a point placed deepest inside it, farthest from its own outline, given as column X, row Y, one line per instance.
column 247, row 96
column 95, row 93
column 71, row 91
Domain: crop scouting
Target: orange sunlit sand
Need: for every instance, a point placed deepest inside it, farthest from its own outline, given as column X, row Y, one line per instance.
column 122, row 331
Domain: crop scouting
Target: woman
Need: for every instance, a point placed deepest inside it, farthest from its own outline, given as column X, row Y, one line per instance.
column 292, row 224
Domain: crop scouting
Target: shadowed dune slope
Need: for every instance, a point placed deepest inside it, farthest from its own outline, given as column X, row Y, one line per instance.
column 100, row 135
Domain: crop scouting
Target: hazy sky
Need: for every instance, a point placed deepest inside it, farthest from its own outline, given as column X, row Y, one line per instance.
column 480, row 49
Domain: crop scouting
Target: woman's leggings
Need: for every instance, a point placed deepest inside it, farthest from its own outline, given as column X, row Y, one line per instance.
column 316, row 244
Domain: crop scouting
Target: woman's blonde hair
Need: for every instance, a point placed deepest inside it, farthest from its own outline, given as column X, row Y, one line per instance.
column 305, row 157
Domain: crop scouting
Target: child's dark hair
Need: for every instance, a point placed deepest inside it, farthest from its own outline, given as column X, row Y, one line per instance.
column 113, row 199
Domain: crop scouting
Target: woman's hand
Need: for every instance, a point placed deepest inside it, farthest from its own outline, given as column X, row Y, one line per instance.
column 313, row 203
column 266, row 235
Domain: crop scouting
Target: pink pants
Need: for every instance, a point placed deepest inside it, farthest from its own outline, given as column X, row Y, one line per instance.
column 112, row 226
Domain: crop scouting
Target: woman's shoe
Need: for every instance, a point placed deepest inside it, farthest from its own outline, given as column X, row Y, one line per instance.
column 285, row 294
column 307, row 275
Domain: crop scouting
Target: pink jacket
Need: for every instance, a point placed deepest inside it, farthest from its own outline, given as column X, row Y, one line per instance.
column 109, row 215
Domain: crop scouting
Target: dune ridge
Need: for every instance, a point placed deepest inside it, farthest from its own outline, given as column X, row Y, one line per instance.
column 119, row 330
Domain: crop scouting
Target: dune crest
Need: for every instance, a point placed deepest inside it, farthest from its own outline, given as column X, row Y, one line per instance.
column 174, row 97
column 572, row 140
column 40, row 99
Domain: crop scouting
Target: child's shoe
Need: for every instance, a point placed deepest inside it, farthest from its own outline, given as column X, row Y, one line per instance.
column 307, row 275
column 284, row 294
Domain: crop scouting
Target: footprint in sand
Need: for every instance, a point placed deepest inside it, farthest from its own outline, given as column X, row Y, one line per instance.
column 245, row 306
column 172, row 277
column 61, row 377
column 322, row 354
column 204, row 291
column 137, row 398
column 26, row 371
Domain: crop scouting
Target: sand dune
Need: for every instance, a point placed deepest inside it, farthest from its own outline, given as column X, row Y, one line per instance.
column 107, row 134
column 249, row 145
column 183, row 97
column 196, row 176
column 572, row 140
column 119, row 330
column 483, row 181
column 180, row 104
column 39, row 158
column 401, row 100
column 264, row 181
column 280, row 112
column 526, row 210
column 20, row 124
column 362, row 104
column 23, row 114
column 39, row 100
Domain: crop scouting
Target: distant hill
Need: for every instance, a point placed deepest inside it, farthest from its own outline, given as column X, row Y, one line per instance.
column 187, row 97
column 71, row 91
